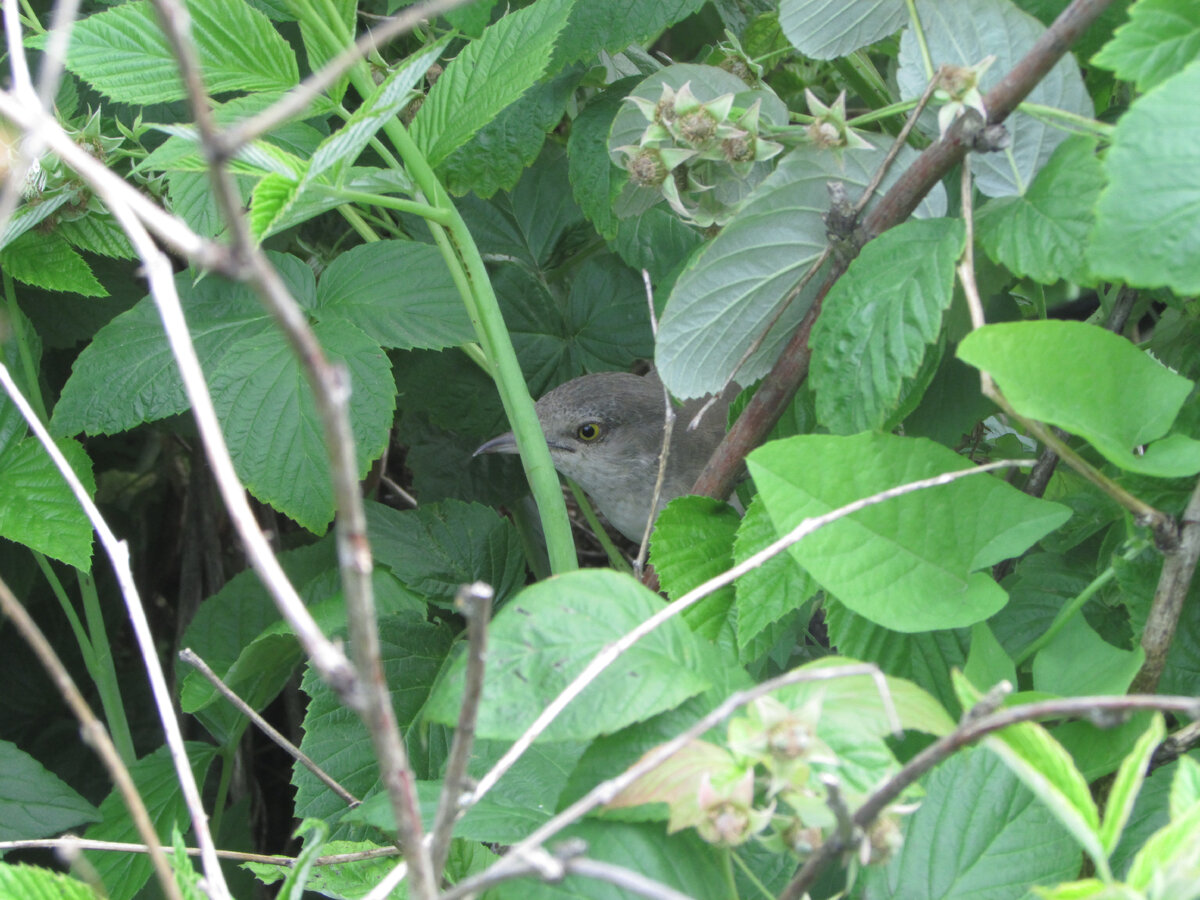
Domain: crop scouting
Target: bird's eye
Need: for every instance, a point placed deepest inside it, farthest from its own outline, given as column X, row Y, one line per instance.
column 589, row 431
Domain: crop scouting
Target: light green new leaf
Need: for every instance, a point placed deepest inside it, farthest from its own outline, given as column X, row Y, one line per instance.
column 49, row 262
column 825, row 30
column 911, row 563
column 1169, row 857
column 1043, row 233
column 398, row 292
column 1128, row 782
column 964, row 33
column 878, row 320
column 271, row 424
column 487, row 76
column 1185, row 787
column 691, row 543
column 1148, row 218
column 34, row 883
column 131, row 358
column 123, row 53
column 29, row 215
column 1160, row 38
column 733, row 288
column 1092, row 383
column 548, row 633
column 36, row 803
column 37, row 507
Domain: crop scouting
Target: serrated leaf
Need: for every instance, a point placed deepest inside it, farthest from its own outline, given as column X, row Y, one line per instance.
column 613, row 25
column 49, row 262
column 270, row 201
column 399, row 292
column 1160, row 38
column 30, row 214
column 1128, row 782
column 33, row 883
column 587, row 151
column 768, row 593
column 911, row 563
column 37, row 508
column 964, row 33
column 1106, row 390
column 1147, row 225
column 131, row 358
column 825, row 30
column 487, row 76
column 1043, row 233
column 123, row 53
column 548, row 633
column 732, row 289
column 271, row 424
column 691, row 543
column 439, row 547
column 34, row 802
column 97, row 232
column 878, row 320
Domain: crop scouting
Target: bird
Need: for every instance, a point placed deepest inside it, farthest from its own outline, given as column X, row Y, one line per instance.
column 605, row 431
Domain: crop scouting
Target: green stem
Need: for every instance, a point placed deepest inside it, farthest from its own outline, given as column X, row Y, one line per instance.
column 751, row 876
column 424, row 210
column 1066, row 613
column 615, row 558
column 1058, row 117
column 892, row 109
column 917, row 30
column 351, row 215
column 60, row 593
column 104, row 674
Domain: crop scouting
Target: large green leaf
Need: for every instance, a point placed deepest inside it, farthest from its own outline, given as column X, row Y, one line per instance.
column 592, row 175
column 910, row 563
column 487, row 76
column 693, row 542
column 1148, row 218
column 37, row 507
column 35, row 803
column 1094, row 384
column 613, row 25
column 123, row 53
column 49, row 262
column 399, row 292
column 878, row 320
column 1160, row 38
column 440, row 546
column 33, row 883
column 1043, row 233
column 999, row 847
column 825, row 30
column 271, row 423
column 964, row 33
column 1110, row 670
column 131, row 358
column 546, row 636
column 731, row 290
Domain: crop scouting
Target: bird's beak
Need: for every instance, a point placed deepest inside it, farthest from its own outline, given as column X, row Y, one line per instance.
column 505, row 443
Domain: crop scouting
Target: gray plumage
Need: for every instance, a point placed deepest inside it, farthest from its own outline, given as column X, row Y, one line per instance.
column 605, row 432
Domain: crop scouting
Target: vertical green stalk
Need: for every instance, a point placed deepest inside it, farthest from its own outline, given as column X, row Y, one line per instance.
column 104, row 671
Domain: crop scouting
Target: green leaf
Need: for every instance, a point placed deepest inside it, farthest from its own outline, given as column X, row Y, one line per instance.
column 691, row 543
column 592, row 174
column 271, row 423
column 131, row 358
column 399, row 292
column 1110, row 670
column 32, row 883
column 35, row 803
column 1043, row 233
column 1047, row 770
column 822, row 32
column 987, row 663
column 1128, row 782
column 438, row 547
column 49, row 262
column 546, row 635
column 1001, row 846
column 123, row 53
column 29, row 215
column 964, row 33
column 97, row 232
column 1185, row 787
column 766, row 594
column 487, row 76
column 613, row 25
column 878, row 320
column 730, row 291
column 37, row 507
column 124, row 874
column 1105, row 390
column 910, row 563
column 1147, row 225
column 1168, row 859
column 1160, row 38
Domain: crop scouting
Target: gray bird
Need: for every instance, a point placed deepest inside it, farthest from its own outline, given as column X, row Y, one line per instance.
column 605, row 431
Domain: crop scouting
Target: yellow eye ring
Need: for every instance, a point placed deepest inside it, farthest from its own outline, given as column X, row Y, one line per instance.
column 589, row 431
